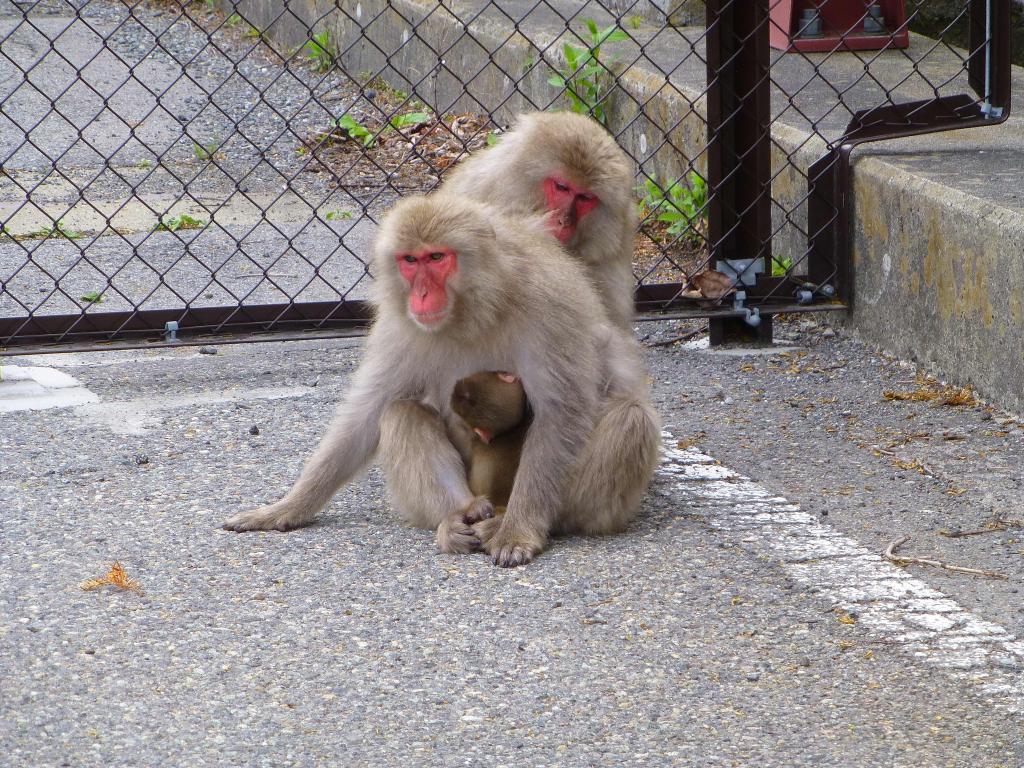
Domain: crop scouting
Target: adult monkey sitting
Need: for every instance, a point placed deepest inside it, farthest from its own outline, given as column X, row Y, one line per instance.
column 566, row 164
column 461, row 288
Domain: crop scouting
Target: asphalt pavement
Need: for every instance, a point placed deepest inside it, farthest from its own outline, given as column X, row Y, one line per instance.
column 745, row 619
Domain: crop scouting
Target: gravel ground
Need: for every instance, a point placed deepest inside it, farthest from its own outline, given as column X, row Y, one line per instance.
column 353, row 642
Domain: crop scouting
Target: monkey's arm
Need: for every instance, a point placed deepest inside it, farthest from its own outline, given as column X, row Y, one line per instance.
column 349, row 444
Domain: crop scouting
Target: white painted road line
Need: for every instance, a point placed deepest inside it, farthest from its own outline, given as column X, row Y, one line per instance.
column 888, row 601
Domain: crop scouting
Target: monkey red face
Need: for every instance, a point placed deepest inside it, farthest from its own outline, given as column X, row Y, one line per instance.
column 426, row 273
column 569, row 204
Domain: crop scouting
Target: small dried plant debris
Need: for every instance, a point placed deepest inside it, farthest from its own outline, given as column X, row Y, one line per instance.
column 116, row 577
column 929, row 390
column 383, row 145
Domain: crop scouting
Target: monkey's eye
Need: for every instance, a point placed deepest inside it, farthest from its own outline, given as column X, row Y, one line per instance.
column 436, row 256
column 586, row 198
column 561, row 187
column 409, row 259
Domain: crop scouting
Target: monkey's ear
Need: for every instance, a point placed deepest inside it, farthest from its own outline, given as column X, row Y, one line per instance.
column 508, row 378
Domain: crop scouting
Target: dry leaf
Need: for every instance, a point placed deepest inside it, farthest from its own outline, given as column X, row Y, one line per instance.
column 116, row 577
column 713, row 284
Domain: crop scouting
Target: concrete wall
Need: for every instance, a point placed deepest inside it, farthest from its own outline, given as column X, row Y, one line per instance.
column 939, row 277
column 676, row 12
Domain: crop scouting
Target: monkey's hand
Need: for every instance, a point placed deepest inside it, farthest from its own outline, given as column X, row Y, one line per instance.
column 455, row 534
column 273, row 517
column 507, row 545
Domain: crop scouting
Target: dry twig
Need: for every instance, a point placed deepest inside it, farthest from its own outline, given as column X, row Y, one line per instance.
column 892, row 557
column 995, row 525
column 681, row 337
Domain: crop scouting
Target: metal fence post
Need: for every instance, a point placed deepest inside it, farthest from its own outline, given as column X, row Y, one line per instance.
column 739, row 150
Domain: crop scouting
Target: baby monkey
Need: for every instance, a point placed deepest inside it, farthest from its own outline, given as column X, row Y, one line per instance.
column 493, row 405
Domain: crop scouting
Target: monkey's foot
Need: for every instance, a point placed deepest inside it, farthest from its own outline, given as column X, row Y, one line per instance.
column 455, row 534
column 273, row 517
column 507, row 549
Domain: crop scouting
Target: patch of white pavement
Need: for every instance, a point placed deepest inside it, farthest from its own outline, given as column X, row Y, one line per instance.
column 136, row 417
column 889, row 602
column 32, row 388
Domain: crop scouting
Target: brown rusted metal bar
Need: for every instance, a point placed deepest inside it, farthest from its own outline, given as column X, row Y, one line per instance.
column 739, row 143
column 149, row 324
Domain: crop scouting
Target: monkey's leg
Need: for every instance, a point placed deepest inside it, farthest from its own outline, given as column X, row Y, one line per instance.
column 426, row 478
column 613, row 471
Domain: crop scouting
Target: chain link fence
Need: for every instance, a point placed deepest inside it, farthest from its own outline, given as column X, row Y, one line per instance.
column 219, row 167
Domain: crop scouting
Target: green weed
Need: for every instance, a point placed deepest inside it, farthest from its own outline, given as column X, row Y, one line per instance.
column 57, row 230
column 318, row 51
column 337, row 215
column 681, row 206
column 356, row 130
column 207, row 151
column 781, row 266
column 587, row 77
column 181, row 221
column 92, row 297
column 408, row 121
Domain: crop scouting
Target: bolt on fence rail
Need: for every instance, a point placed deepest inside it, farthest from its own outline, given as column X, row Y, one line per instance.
column 219, row 167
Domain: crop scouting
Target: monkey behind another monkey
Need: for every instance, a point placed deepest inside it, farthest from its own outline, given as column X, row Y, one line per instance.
column 493, row 405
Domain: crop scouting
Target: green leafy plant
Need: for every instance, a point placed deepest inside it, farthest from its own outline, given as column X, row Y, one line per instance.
column 681, row 206
column 57, row 230
column 318, row 51
column 336, row 215
column 253, row 32
column 92, row 297
column 206, row 151
column 144, row 164
column 586, row 78
column 233, row 20
column 781, row 266
column 181, row 221
column 356, row 130
column 636, row 21
column 492, row 138
column 408, row 121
